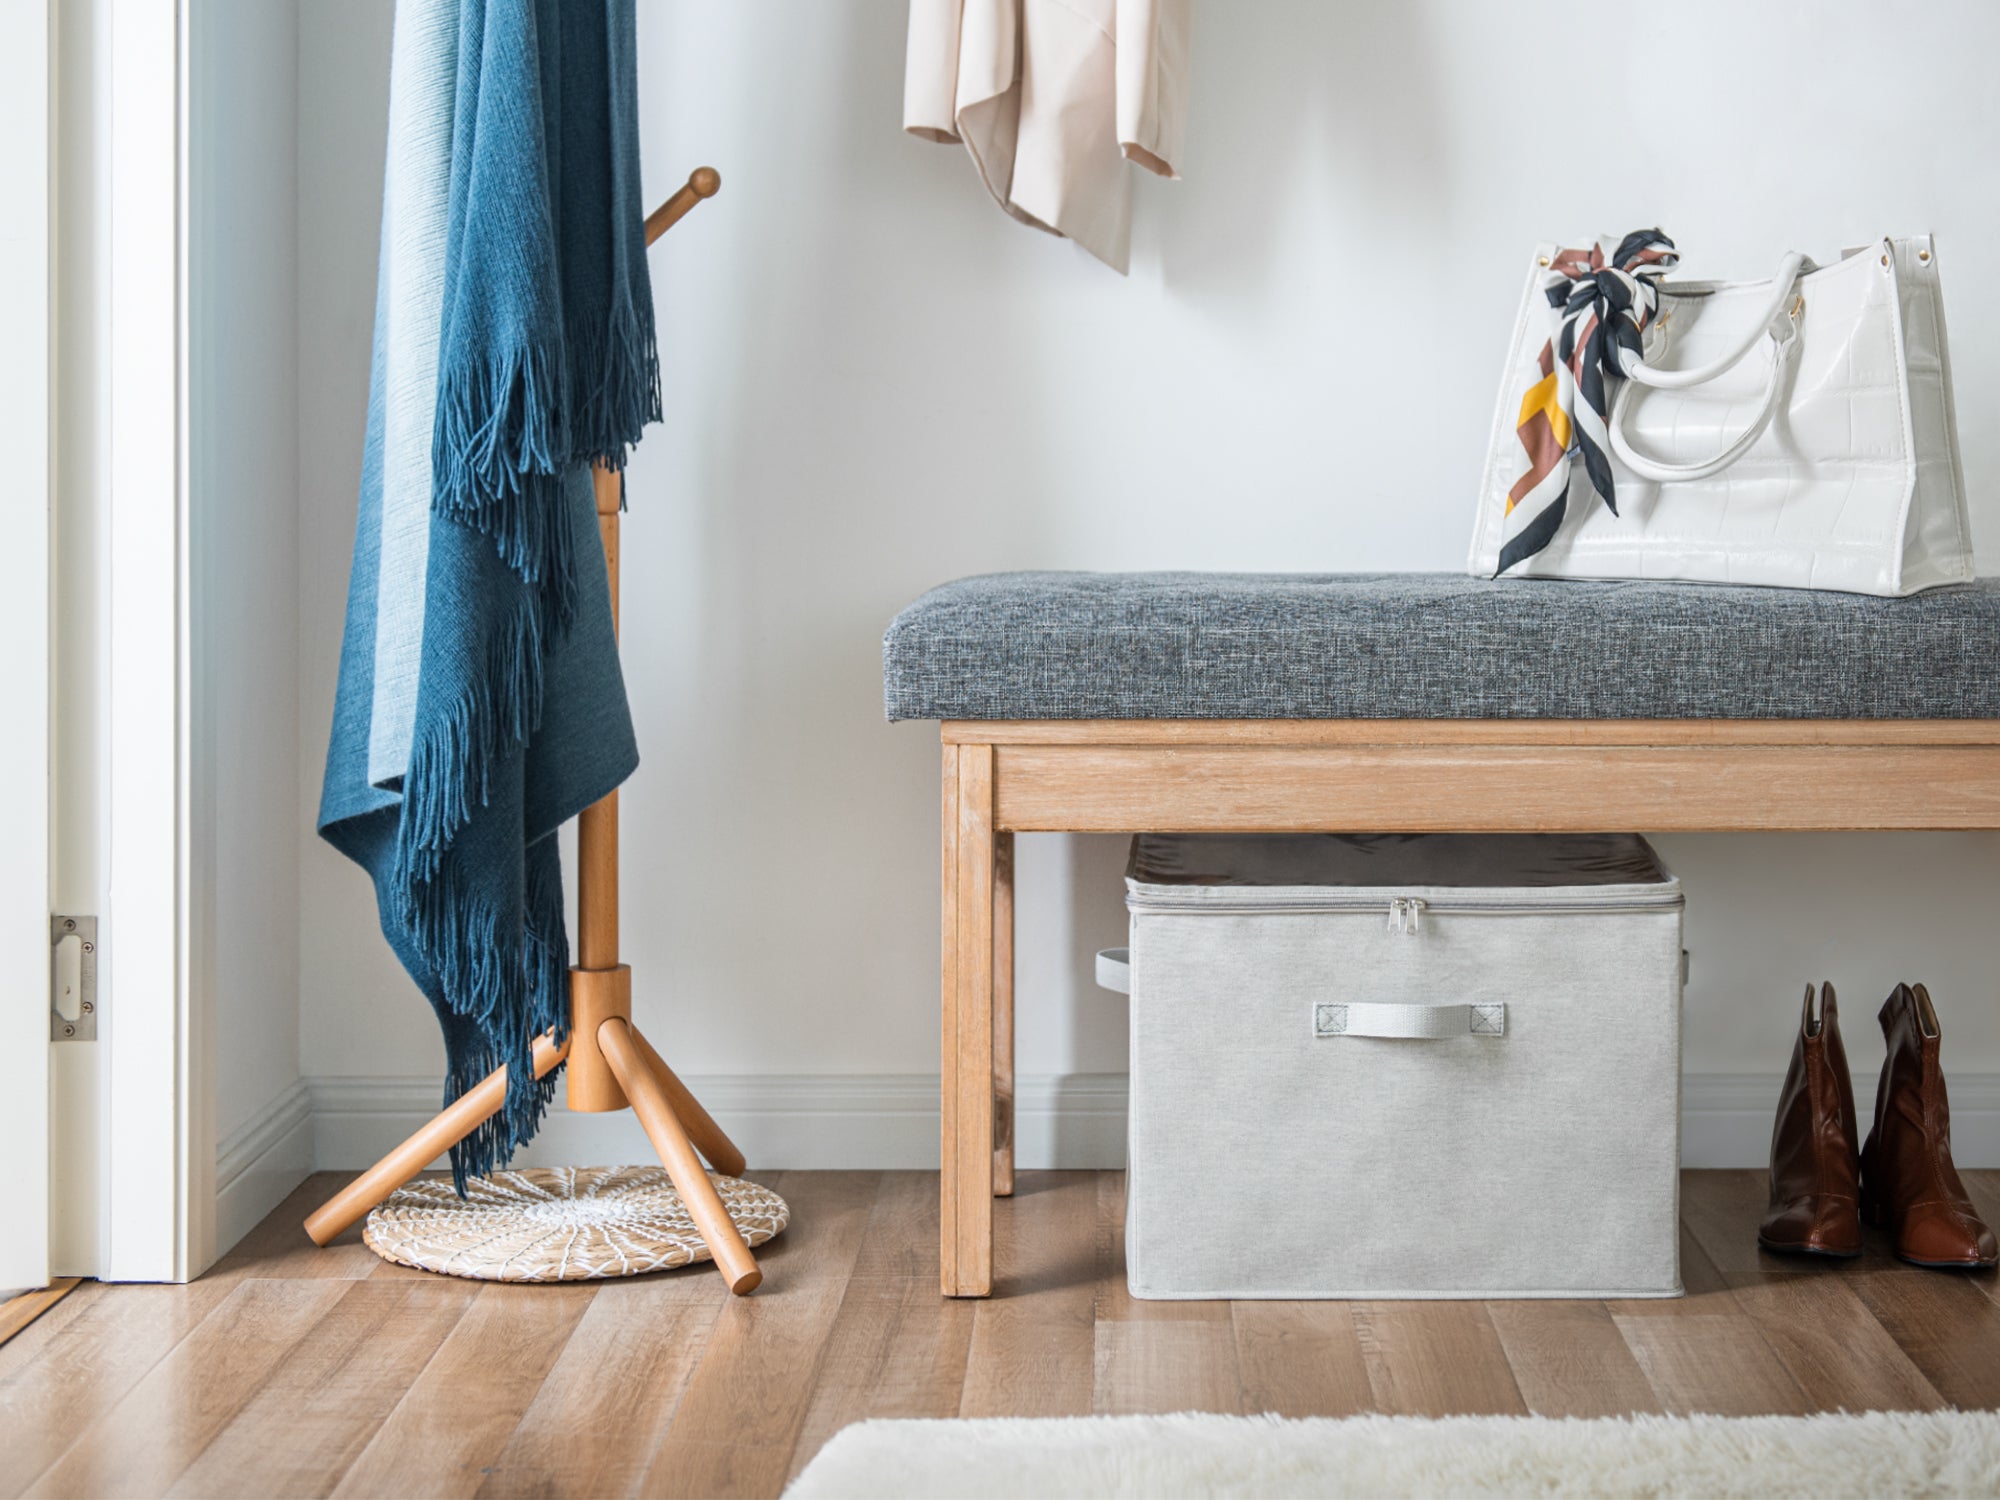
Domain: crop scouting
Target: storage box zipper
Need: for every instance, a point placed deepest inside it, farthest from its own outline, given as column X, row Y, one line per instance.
column 1243, row 901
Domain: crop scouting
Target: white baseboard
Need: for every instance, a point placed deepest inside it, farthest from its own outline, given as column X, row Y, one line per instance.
column 810, row 1121
column 1726, row 1117
column 819, row 1121
column 257, row 1164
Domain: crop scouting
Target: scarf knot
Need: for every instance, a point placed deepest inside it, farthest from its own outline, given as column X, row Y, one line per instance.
column 1607, row 302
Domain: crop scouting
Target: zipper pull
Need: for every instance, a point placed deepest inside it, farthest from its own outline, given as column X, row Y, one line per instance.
column 1395, row 913
column 1406, row 914
column 1415, row 904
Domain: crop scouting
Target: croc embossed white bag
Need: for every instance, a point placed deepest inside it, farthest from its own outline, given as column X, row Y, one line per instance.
column 1796, row 432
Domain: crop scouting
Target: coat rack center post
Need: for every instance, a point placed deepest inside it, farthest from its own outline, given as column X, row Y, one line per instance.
column 600, row 987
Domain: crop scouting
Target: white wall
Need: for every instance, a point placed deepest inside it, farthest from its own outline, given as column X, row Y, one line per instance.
column 874, row 382
column 244, row 356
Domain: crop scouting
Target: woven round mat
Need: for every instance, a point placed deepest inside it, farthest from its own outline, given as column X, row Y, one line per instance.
column 560, row 1224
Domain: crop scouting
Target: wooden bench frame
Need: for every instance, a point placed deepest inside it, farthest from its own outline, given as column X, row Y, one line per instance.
column 1402, row 775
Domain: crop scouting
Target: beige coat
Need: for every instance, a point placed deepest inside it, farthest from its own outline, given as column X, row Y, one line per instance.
column 1052, row 98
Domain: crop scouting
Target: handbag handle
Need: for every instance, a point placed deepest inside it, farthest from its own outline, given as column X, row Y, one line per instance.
column 1426, row 1022
column 1783, row 326
column 1782, row 282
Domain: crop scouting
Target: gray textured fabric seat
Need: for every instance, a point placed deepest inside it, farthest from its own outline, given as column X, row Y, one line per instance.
column 1433, row 646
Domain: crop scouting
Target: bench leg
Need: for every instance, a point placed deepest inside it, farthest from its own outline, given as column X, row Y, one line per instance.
column 966, row 1102
column 1003, row 1015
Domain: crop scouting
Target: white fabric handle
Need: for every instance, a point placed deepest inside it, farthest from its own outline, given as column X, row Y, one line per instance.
column 1114, row 969
column 1781, row 321
column 1114, row 972
column 1429, row 1022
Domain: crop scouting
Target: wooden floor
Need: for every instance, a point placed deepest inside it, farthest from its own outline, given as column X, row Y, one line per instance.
column 294, row 1371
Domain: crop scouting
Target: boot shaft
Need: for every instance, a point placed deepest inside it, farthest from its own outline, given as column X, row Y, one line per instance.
column 1815, row 1139
column 1910, row 1143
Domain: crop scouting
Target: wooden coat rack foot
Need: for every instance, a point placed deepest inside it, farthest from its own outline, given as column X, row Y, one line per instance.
column 611, row 1066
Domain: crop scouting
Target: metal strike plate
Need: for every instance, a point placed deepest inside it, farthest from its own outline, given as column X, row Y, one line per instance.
column 72, row 979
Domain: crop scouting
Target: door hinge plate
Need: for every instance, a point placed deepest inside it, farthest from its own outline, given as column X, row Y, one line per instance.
column 72, row 979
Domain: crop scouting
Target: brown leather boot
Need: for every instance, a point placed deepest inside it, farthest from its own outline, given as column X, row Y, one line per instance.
column 1814, row 1161
column 1908, row 1184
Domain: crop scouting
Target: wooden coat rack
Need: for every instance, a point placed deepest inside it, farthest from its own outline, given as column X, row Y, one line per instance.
column 611, row 1065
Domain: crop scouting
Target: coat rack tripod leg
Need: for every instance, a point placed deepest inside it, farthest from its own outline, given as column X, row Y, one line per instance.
column 611, row 1065
column 438, row 1135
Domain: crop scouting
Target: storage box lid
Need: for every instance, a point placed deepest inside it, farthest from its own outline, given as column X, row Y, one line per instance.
column 1439, row 860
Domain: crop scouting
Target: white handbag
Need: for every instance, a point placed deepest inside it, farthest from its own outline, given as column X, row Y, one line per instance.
column 1796, row 432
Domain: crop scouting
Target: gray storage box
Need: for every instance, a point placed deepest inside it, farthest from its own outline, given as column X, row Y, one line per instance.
column 1437, row 1065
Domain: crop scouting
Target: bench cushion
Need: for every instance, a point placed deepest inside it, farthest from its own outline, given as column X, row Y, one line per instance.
column 1433, row 646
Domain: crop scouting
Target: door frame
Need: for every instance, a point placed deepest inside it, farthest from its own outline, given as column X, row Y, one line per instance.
column 133, row 1116
column 160, row 1129
column 26, row 350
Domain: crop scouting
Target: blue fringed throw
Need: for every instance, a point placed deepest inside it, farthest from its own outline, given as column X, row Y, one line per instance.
column 480, row 703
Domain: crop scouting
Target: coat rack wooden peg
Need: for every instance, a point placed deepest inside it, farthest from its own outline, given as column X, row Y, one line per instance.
column 611, row 1065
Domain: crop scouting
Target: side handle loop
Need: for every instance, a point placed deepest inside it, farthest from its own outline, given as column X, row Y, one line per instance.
column 1114, row 969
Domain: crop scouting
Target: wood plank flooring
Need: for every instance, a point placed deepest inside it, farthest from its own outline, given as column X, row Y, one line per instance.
column 18, row 1311
column 290, row 1371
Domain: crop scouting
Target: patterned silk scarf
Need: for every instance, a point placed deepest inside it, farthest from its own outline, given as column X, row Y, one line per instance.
column 1602, row 300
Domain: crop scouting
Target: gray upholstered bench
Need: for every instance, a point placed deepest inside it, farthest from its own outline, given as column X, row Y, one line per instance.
column 1406, row 702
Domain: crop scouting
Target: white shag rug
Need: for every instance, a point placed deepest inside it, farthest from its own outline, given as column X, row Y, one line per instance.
column 1194, row 1454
